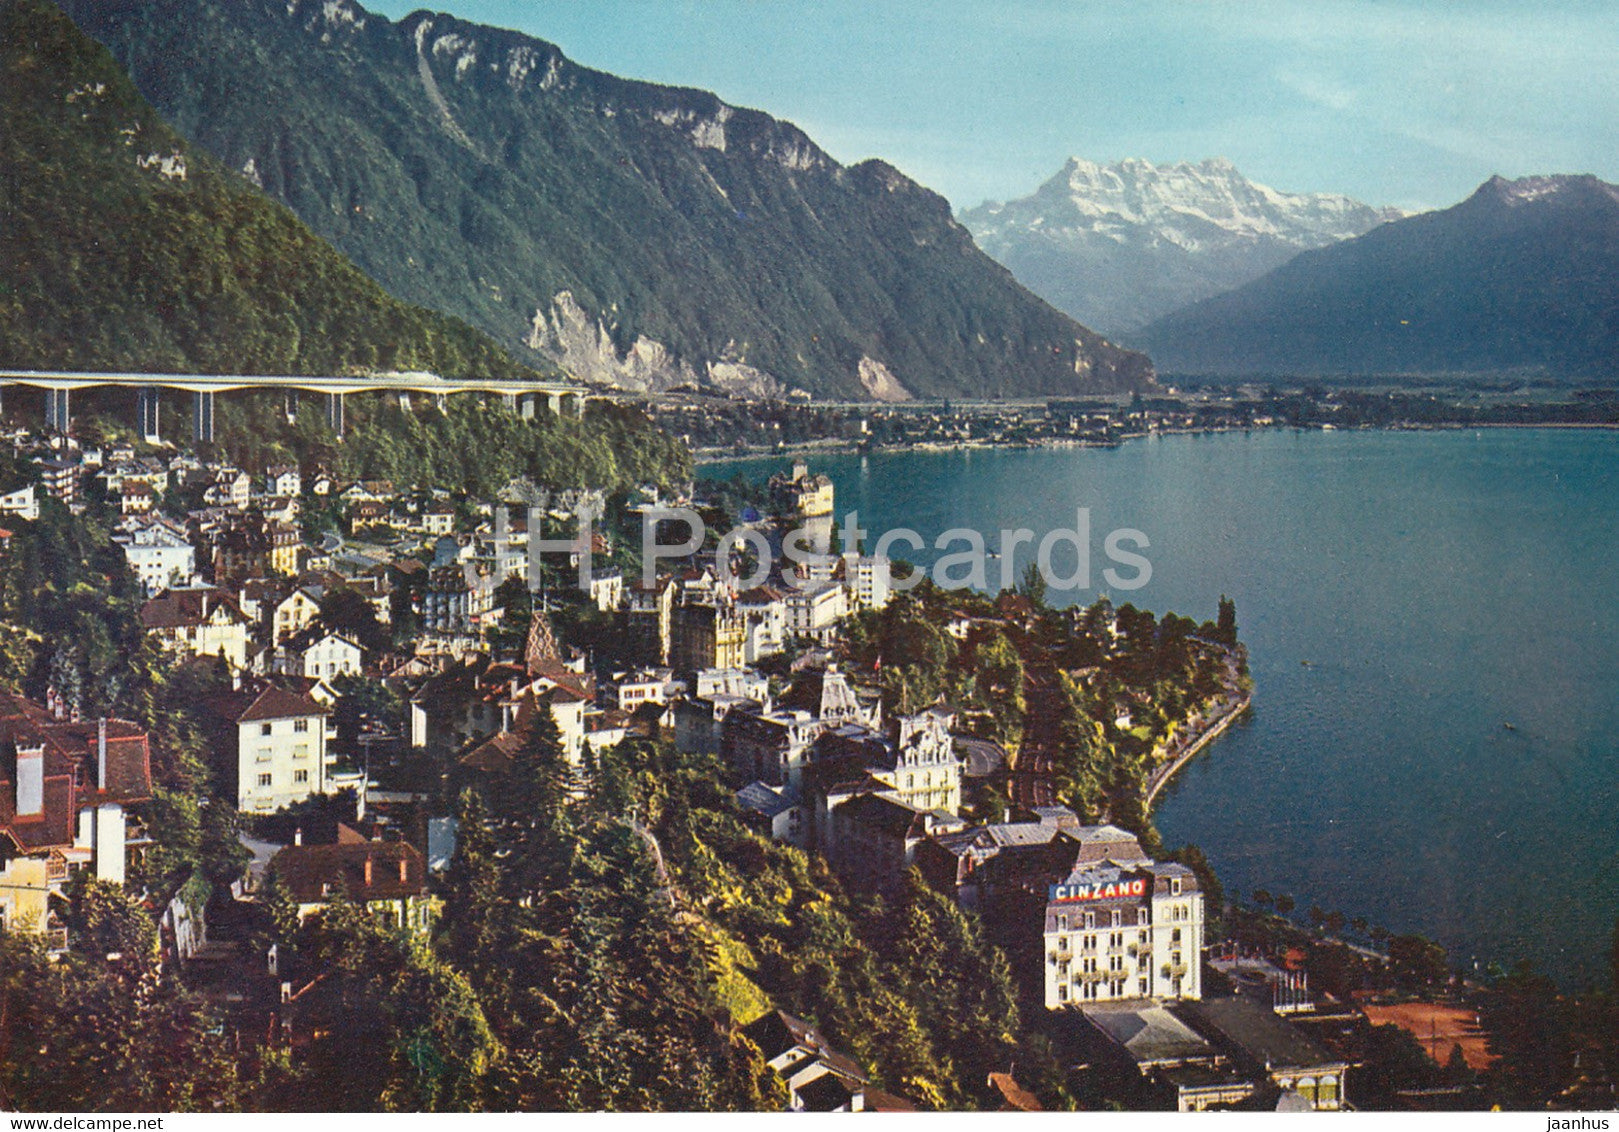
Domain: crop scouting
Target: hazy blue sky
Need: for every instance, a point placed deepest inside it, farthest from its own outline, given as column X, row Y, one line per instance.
column 1406, row 102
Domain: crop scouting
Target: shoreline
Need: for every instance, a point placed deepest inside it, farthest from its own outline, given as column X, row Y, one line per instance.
column 707, row 457
column 1161, row 777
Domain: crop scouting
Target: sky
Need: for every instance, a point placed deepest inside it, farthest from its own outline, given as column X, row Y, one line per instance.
column 1412, row 103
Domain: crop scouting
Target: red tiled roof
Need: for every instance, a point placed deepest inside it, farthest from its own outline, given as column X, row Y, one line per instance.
column 178, row 609
column 313, row 874
column 71, row 771
column 263, row 700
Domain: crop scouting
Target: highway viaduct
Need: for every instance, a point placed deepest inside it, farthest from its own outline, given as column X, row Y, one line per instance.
column 522, row 397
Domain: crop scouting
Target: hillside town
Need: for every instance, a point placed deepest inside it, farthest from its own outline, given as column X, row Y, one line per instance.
column 364, row 674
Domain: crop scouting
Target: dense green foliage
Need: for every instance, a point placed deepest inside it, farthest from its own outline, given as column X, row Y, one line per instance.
column 619, row 933
column 114, row 261
column 104, row 1029
column 483, row 173
column 1094, row 696
column 474, row 447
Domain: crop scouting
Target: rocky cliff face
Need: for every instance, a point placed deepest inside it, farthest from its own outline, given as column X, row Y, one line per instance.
column 639, row 234
column 1119, row 245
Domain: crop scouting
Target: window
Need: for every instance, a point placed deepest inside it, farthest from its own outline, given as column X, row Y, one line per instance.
column 1174, row 886
column 1141, row 987
column 1175, row 936
column 1117, row 918
column 264, row 780
column 301, row 751
column 300, row 776
column 1090, row 919
column 1062, row 993
column 1141, row 915
column 265, row 728
column 1062, row 926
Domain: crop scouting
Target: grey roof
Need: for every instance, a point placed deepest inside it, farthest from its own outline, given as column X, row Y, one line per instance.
column 1106, row 843
column 1255, row 1034
column 764, row 800
column 1007, row 834
column 1149, row 1034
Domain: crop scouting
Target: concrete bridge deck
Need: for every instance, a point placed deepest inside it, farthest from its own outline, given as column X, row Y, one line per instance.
column 59, row 384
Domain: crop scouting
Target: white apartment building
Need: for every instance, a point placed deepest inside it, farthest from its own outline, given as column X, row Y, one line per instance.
column 1122, row 929
column 280, row 747
column 23, row 503
column 200, row 621
column 323, row 657
column 868, row 580
column 158, row 553
column 815, row 610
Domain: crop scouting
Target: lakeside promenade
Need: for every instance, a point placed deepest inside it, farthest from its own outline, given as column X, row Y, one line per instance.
column 1194, row 740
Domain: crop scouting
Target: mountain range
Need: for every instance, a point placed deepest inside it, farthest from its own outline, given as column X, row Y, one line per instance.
column 1118, row 246
column 1522, row 275
column 125, row 249
column 636, row 234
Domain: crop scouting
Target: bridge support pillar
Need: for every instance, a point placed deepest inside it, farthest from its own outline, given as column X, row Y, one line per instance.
column 526, row 407
column 202, row 417
column 441, row 402
column 58, row 413
column 402, row 398
column 334, row 413
column 553, row 401
column 509, row 402
column 290, row 405
column 147, row 399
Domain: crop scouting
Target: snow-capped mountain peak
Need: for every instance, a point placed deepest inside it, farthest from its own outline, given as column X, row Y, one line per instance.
column 1166, row 235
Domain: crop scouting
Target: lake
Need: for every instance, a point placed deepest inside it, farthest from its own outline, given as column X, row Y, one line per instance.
column 1433, row 622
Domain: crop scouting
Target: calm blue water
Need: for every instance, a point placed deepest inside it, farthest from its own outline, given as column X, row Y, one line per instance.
column 1439, row 584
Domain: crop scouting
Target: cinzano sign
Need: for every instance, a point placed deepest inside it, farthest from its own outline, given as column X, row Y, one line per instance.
column 1111, row 890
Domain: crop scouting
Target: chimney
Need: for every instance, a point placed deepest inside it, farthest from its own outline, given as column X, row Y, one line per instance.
column 368, row 871
column 101, row 753
column 402, row 877
column 298, row 836
column 30, row 780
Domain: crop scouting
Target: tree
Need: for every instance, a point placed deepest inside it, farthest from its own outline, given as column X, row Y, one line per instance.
column 1417, row 961
column 1226, row 622
column 103, row 1029
column 345, row 611
column 1284, row 904
column 1033, row 585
